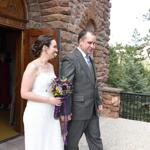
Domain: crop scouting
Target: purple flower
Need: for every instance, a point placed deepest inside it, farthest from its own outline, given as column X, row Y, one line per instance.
column 60, row 88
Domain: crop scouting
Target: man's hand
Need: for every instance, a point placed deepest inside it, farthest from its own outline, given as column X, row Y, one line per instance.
column 62, row 118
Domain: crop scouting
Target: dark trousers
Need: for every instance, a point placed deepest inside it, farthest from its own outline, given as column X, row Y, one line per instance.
column 92, row 132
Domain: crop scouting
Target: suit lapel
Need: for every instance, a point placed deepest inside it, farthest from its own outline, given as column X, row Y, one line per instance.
column 84, row 65
column 94, row 70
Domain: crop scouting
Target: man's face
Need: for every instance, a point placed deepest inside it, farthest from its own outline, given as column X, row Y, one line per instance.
column 87, row 43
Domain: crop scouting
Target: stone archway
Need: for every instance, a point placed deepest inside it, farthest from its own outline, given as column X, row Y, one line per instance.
column 91, row 25
column 13, row 13
column 97, row 21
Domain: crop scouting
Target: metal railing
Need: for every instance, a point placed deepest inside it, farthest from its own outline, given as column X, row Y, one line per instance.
column 135, row 106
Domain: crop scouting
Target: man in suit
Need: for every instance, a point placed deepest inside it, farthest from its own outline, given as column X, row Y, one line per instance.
column 85, row 102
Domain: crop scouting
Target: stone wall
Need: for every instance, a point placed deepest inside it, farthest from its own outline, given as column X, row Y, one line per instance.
column 33, row 14
column 71, row 16
column 111, row 101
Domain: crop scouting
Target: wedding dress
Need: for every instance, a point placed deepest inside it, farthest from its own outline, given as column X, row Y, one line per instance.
column 42, row 131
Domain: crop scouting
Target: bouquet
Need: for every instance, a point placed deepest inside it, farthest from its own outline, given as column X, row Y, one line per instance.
column 60, row 88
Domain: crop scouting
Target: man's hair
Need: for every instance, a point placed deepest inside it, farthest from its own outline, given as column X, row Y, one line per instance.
column 83, row 33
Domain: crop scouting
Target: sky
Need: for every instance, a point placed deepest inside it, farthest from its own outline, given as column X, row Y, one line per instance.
column 125, row 16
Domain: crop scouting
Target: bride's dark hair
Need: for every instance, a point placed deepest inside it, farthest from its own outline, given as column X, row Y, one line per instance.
column 39, row 43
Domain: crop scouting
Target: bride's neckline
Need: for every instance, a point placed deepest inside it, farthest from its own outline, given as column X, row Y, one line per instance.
column 41, row 65
column 43, row 75
column 44, row 72
column 46, row 69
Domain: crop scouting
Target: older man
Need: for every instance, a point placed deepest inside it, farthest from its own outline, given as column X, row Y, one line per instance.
column 85, row 102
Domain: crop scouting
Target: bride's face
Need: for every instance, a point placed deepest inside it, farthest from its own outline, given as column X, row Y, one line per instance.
column 52, row 49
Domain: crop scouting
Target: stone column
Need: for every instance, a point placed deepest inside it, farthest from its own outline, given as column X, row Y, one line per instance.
column 111, row 101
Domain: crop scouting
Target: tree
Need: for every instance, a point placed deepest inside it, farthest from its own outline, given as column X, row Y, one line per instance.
column 114, row 68
column 133, row 75
column 146, row 16
column 130, row 64
column 126, row 69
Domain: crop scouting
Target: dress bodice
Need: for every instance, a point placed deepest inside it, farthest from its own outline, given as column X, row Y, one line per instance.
column 42, row 83
column 41, row 86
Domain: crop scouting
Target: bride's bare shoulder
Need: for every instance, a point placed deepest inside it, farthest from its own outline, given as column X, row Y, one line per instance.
column 32, row 67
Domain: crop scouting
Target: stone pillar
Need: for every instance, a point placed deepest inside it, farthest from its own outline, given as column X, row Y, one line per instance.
column 111, row 101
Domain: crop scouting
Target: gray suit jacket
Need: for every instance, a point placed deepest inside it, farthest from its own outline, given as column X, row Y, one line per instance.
column 85, row 98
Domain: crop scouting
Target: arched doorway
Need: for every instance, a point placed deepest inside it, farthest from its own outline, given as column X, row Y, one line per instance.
column 15, row 41
column 12, row 22
column 8, row 65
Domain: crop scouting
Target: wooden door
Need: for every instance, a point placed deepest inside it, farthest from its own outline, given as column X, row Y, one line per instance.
column 29, row 36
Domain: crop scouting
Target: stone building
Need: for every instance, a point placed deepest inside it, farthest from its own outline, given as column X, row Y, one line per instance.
column 71, row 16
column 21, row 21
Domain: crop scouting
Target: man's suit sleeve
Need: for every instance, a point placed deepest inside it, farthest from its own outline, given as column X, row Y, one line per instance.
column 67, row 70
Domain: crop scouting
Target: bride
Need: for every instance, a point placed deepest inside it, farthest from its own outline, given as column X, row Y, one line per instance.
column 42, row 131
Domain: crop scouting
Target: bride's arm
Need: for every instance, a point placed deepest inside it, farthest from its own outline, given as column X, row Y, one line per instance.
column 27, row 84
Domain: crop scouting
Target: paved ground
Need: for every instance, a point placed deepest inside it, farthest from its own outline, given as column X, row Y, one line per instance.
column 123, row 134
column 117, row 134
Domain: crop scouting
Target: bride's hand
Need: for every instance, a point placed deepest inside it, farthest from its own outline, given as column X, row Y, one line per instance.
column 55, row 101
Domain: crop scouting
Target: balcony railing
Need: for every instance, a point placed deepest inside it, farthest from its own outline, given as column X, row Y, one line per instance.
column 135, row 106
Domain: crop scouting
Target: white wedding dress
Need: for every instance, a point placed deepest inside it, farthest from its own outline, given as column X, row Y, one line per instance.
column 42, row 131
